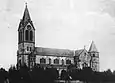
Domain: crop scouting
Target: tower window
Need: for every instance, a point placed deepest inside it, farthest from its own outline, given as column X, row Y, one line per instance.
column 31, row 36
column 27, row 35
column 28, row 27
column 20, row 36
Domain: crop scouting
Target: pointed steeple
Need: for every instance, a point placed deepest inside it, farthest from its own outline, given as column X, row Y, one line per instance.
column 93, row 47
column 25, row 19
column 26, row 16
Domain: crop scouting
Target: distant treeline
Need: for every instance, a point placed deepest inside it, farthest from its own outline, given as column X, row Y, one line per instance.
column 49, row 75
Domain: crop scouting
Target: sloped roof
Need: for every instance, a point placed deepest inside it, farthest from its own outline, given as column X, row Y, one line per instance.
column 53, row 51
column 26, row 15
column 78, row 52
column 93, row 47
column 25, row 19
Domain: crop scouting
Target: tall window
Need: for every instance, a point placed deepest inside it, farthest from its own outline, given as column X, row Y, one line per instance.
column 31, row 36
column 20, row 36
column 62, row 62
column 30, row 48
column 56, row 61
column 68, row 61
column 42, row 61
column 49, row 60
column 27, row 35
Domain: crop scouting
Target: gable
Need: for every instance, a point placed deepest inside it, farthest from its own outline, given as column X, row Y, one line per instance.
column 84, row 56
column 29, row 24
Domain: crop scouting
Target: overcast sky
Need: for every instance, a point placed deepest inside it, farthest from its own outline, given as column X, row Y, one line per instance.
column 67, row 24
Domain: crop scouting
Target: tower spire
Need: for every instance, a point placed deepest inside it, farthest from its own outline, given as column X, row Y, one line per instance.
column 93, row 47
column 26, row 15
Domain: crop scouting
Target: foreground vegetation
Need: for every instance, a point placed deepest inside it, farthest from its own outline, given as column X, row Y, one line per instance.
column 49, row 75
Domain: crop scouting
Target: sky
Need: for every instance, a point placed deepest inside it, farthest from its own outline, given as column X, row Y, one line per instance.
column 70, row 24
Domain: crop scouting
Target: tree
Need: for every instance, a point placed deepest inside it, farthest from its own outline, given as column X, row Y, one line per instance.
column 3, row 75
column 14, row 76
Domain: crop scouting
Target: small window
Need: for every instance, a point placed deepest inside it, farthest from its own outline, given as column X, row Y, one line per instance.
column 93, row 55
column 27, row 48
column 49, row 60
column 20, row 36
column 42, row 61
column 30, row 48
column 68, row 61
column 62, row 62
column 56, row 61
column 28, row 27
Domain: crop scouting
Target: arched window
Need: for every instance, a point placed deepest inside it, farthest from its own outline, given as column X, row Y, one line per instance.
column 19, row 36
column 49, row 60
column 68, row 61
column 27, row 35
column 31, row 35
column 62, row 62
column 42, row 61
column 28, row 27
column 56, row 61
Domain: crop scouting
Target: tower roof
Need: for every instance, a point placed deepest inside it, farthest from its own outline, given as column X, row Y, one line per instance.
column 25, row 19
column 93, row 47
column 26, row 15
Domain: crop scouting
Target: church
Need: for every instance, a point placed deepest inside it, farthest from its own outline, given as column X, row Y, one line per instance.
column 31, row 55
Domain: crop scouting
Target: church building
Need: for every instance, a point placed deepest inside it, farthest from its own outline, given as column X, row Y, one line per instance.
column 31, row 55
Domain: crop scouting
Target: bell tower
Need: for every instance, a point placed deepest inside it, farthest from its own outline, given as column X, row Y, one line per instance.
column 26, row 39
column 93, row 52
